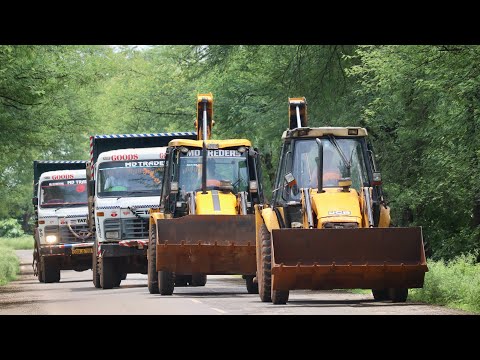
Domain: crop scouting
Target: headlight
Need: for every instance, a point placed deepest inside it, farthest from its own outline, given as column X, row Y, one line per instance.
column 51, row 239
column 111, row 235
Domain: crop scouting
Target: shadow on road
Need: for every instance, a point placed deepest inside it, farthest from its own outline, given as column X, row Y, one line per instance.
column 345, row 303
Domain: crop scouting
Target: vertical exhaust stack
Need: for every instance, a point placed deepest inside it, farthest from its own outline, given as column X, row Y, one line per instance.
column 204, row 120
column 297, row 111
column 203, row 125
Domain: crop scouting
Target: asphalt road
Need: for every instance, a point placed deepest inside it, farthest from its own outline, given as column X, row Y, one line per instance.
column 223, row 295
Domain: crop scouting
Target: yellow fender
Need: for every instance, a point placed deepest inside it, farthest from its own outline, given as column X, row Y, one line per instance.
column 384, row 220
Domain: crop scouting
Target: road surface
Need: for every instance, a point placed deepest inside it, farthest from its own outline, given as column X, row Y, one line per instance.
column 223, row 295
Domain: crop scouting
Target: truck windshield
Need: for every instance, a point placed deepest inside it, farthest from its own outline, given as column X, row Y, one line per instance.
column 130, row 178
column 306, row 156
column 222, row 165
column 57, row 193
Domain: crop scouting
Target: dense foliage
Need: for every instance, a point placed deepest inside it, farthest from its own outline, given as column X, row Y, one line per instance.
column 419, row 103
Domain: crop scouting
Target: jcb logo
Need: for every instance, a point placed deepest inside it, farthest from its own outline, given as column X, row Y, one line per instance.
column 125, row 157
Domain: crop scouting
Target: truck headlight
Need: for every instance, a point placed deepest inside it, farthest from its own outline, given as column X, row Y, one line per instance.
column 51, row 239
column 112, row 235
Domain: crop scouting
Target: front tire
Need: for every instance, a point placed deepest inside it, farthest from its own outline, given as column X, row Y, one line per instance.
column 252, row 286
column 96, row 270
column 380, row 294
column 166, row 282
column 51, row 271
column 108, row 275
column 264, row 265
column 199, row 279
column 280, row 297
column 398, row 294
column 152, row 261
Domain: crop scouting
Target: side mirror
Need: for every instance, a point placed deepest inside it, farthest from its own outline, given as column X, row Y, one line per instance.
column 35, row 201
column 91, row 187
column 377, row 178
column 174, row 187
column 292, row 183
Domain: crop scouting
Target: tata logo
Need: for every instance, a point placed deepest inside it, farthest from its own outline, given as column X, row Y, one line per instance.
column 81, row 221
column 62, row 177
column 113, row 214
column 125, row 157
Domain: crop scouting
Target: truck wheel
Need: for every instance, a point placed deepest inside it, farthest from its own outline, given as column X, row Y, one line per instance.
column 165, row 282
column 280, row 297
column 199, row 279
column 118, row 280
column 41, row 275
column 398, row 294
column 108, row 274
column 152, row 261
column 264, row 265
column 380, row 294
column 252, row 287
column 95, row 269
column 123, row 276
column 51, row 271
column 182, row 280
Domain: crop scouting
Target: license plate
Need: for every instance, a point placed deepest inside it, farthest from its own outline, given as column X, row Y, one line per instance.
column 77, row 251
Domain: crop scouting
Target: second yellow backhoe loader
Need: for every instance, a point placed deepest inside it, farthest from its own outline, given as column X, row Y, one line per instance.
column 205, row 223
column 328, row 226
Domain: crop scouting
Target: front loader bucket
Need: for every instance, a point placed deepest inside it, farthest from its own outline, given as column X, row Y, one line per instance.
column 375, row 258
column 209, row 244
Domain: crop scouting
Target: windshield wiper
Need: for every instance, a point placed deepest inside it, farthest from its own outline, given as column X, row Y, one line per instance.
column 348, row 164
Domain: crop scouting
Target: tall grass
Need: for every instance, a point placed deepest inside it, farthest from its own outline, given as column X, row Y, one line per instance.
column 454, row 284
column 24, row 242
column 9, row 264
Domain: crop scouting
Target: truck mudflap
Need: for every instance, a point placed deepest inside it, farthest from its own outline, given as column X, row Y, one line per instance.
column 209, row 244
column 374, row 258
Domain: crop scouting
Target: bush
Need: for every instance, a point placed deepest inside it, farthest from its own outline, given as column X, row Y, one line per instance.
column 455, row 284
column 9, row 265
column 10, row 228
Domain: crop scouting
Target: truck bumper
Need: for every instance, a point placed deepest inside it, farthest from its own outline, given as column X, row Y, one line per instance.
column 76, row 257
column 124, row 248
column 74, row 250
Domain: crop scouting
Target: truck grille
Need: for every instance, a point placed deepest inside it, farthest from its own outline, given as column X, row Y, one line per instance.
column 66, row 236
column 135, row 229
column 129, row 228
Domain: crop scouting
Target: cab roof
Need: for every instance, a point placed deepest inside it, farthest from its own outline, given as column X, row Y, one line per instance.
column 307, row 132
column 222, row 144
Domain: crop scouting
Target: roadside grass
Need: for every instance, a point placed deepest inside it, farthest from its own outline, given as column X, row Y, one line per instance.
column 454, row 284
column 24, row 242
column 9, row 264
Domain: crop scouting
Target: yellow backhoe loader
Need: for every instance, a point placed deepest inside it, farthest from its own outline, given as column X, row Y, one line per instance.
column 328, row 225
column 205, row 223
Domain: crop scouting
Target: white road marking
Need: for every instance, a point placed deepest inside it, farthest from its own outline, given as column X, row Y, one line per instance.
column 196, row 301
column 219, row 310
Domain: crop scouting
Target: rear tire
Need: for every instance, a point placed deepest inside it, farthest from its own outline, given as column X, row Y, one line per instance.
column 96, row 270
column 108, row 274
column 166, row 282
column 152, row 261
column 398, row 294
column 199, row 279
column 264, row 265
column 380, row 294
column 51, row 271
column 280, row 297
column 252, row 287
